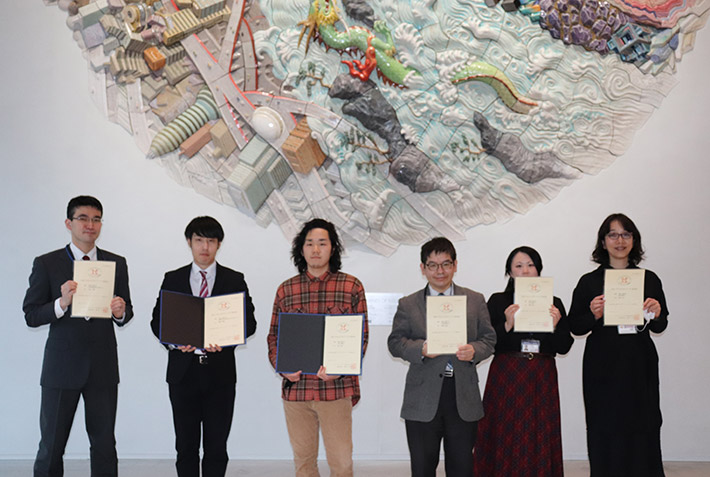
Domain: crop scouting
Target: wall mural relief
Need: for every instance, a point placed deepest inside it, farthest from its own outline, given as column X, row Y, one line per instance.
column 394, row 119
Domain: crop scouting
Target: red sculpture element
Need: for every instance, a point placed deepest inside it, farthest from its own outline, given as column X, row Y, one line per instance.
column 363, row 70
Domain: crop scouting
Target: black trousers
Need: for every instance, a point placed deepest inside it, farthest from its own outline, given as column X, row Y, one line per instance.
column 424, row 439
column 202, row 405
column 57, row 411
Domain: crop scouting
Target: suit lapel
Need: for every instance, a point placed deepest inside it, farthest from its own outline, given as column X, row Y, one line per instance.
column 218, row 285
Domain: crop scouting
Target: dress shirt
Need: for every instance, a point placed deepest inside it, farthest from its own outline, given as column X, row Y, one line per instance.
column 332, row 293
column 448, row 292
column 196, row 278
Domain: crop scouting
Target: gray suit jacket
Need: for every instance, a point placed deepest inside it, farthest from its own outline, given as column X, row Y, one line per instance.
column 425, row 375
column 77, row 350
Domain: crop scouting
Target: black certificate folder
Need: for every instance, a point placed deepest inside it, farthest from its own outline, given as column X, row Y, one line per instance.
column 302, row 339
column 199, row 322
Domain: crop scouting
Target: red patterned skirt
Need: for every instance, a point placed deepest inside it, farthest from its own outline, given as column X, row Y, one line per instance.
column 520, row 434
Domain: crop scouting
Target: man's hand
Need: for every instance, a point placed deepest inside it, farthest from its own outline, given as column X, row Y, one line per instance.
column 213, row 348
column 465, row 352
column 118, row 307
column 293, row 377
column 326, row 377
column 425, row 353
column 68, row 289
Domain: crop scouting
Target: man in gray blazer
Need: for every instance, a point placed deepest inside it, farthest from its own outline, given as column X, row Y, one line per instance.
column 80, row 357
column 441, row 395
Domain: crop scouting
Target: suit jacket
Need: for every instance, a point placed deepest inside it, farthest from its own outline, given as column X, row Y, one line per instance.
column 77, row 350
column 424, row 378
column 221, row 365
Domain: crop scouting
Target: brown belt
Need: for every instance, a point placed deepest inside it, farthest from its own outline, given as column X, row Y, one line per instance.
column 530, row 356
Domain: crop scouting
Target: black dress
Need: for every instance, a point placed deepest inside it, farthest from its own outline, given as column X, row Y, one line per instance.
column 621, row 388
column 520, row 434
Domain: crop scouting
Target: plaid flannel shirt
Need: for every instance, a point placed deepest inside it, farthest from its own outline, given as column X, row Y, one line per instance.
column 332, row 293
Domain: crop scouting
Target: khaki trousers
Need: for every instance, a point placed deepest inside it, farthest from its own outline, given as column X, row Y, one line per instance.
column 303, row 418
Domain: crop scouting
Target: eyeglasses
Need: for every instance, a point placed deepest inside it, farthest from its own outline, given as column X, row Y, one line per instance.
column 446, row 266
column 85, row 219
column 623, row 235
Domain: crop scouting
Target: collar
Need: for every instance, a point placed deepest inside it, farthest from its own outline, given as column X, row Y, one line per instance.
column 211, row 270
column 321, row 278
column 79, row 255
column 448, row 292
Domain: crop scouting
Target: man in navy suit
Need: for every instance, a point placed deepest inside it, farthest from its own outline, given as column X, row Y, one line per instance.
column 202, row 382
column 80, row 357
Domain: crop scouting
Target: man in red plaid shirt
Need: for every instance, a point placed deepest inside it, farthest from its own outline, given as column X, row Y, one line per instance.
column 317, row 400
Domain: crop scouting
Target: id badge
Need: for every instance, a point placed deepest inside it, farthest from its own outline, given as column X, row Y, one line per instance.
column 627, row 329
column 529, row 346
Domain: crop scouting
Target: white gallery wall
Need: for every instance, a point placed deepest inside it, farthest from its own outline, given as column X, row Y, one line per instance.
column 55, row 144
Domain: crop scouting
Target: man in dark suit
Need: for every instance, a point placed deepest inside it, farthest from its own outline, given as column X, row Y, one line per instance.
column 80, row 358
column 441, row 395
column 202, row 382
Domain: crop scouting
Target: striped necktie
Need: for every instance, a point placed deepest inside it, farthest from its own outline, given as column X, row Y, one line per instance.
column 203, row 286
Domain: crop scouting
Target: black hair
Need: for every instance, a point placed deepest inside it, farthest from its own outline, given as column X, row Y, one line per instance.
column 206, row 227
column 600, row 254
column 83, row 201
column 299, row 240
column 530, row 252
column 437, row 245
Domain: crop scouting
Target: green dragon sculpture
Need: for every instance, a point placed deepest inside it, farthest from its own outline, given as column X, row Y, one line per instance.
column 320, row 25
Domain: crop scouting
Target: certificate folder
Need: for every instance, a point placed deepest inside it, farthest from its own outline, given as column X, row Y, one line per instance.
column 308, row 341
column 199, row 322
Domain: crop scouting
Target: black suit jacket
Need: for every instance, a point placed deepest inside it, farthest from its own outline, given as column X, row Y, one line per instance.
column 221, row 364
column 77, row 350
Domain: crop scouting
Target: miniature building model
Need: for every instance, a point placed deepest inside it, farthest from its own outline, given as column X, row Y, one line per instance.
column 301, row 150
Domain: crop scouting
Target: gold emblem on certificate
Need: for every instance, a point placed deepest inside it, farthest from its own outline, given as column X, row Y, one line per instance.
column 623, row 296
column 445, row 323
column 94, row 291
column 534, row 295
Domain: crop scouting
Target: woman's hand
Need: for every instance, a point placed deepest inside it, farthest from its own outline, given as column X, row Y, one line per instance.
column 510, row 316
column 597, row 306
column 652, row 305
column 556, row 315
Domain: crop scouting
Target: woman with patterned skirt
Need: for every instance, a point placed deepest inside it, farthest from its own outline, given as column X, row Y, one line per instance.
column 520, row 435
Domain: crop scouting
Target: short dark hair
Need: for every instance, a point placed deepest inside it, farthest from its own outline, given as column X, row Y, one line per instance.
column 530, row 252
column 600, row 255
column 83, row 201
column 299, row 240
column 438, row 245
column 204, row 226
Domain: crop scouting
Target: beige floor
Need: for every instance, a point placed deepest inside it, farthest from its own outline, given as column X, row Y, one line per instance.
column 252, row 468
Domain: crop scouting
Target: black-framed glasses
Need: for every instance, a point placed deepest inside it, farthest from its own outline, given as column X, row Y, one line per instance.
column 616, row 235
column 433, row 266
column 85, row 219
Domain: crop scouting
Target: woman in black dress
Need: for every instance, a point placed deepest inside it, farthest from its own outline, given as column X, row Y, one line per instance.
column 620, row 369
column 520, row 434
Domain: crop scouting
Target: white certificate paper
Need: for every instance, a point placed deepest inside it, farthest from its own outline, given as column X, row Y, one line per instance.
column 534, row 295
column 445, row 323
column 623, row 296
column 224, row 320
column 342, row 344
column 94, row 290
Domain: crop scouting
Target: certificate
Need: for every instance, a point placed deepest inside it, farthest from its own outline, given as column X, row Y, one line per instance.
column 94, row 291
column 445, row 324
column 623, row 296
column 308, row 341
column 342, row 344
column 200, row 322
column 534, row 296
